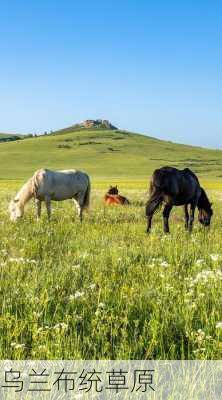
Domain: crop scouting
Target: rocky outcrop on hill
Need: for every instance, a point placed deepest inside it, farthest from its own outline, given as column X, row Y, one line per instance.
column 87, row 124
column 97, row 123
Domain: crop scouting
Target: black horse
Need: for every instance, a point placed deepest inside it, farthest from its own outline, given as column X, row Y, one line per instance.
column 174, row 187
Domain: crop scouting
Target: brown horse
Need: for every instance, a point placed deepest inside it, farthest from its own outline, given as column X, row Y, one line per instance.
column 112, row 197
column 176, row 188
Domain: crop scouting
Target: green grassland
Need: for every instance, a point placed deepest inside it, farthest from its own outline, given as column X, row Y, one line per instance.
column 104, row 154
column 104, row 289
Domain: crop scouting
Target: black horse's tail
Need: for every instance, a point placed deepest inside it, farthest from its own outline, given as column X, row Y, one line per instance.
column 155, row 200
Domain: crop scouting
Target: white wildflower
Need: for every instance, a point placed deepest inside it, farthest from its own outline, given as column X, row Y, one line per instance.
column 200, row 335
column 215, row 257
column 199, row 261
column 42, row 348
column 17, row 346
column 92, row 286
column 207, row 275
column 164, row 264
column 20, row 346
column 61, row 325
column 77, row 266
column 78, row 294
column 16, row 260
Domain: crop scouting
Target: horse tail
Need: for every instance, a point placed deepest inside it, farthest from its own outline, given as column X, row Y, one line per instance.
column 86, row 201
column 154, row 203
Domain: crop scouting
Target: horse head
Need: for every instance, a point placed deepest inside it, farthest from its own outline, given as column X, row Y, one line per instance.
column 205, row 209
column 113, row 190
column 16, row 209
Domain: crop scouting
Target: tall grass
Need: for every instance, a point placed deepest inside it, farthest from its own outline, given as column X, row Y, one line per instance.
column 106, row 290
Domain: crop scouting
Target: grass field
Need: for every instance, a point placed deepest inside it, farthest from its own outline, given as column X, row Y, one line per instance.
column 104, row 289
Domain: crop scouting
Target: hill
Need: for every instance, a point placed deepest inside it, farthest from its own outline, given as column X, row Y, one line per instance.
column 7, row 137
column 104, row 153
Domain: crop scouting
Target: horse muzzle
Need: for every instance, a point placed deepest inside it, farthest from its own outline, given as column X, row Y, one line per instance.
column 205, row 222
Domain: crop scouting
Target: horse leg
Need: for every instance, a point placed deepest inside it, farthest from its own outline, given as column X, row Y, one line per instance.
column 166, row 214
column 149, row 223
column 38, row 208
column 152, row 205
column 79, row 208
column 191, row 219
column 186, row 216
column 80, row 212
column 48, row 206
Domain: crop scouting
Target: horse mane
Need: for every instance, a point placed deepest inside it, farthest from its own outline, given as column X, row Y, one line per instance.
column 25, row 193
column 204, row 202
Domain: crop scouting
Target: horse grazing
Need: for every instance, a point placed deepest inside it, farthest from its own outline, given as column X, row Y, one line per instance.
column 174, row 187
column 46, row 185
column 112, row 197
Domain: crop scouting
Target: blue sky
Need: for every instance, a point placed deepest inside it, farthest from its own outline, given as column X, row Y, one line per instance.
column 150, row 67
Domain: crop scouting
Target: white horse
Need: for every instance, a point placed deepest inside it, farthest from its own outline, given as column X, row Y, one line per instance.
column 46, row 185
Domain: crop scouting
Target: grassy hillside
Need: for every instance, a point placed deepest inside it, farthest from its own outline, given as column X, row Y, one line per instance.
column 104, row 154
column 4, row 137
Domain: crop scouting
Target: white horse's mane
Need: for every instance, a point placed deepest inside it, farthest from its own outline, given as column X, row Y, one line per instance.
column 25, row 193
